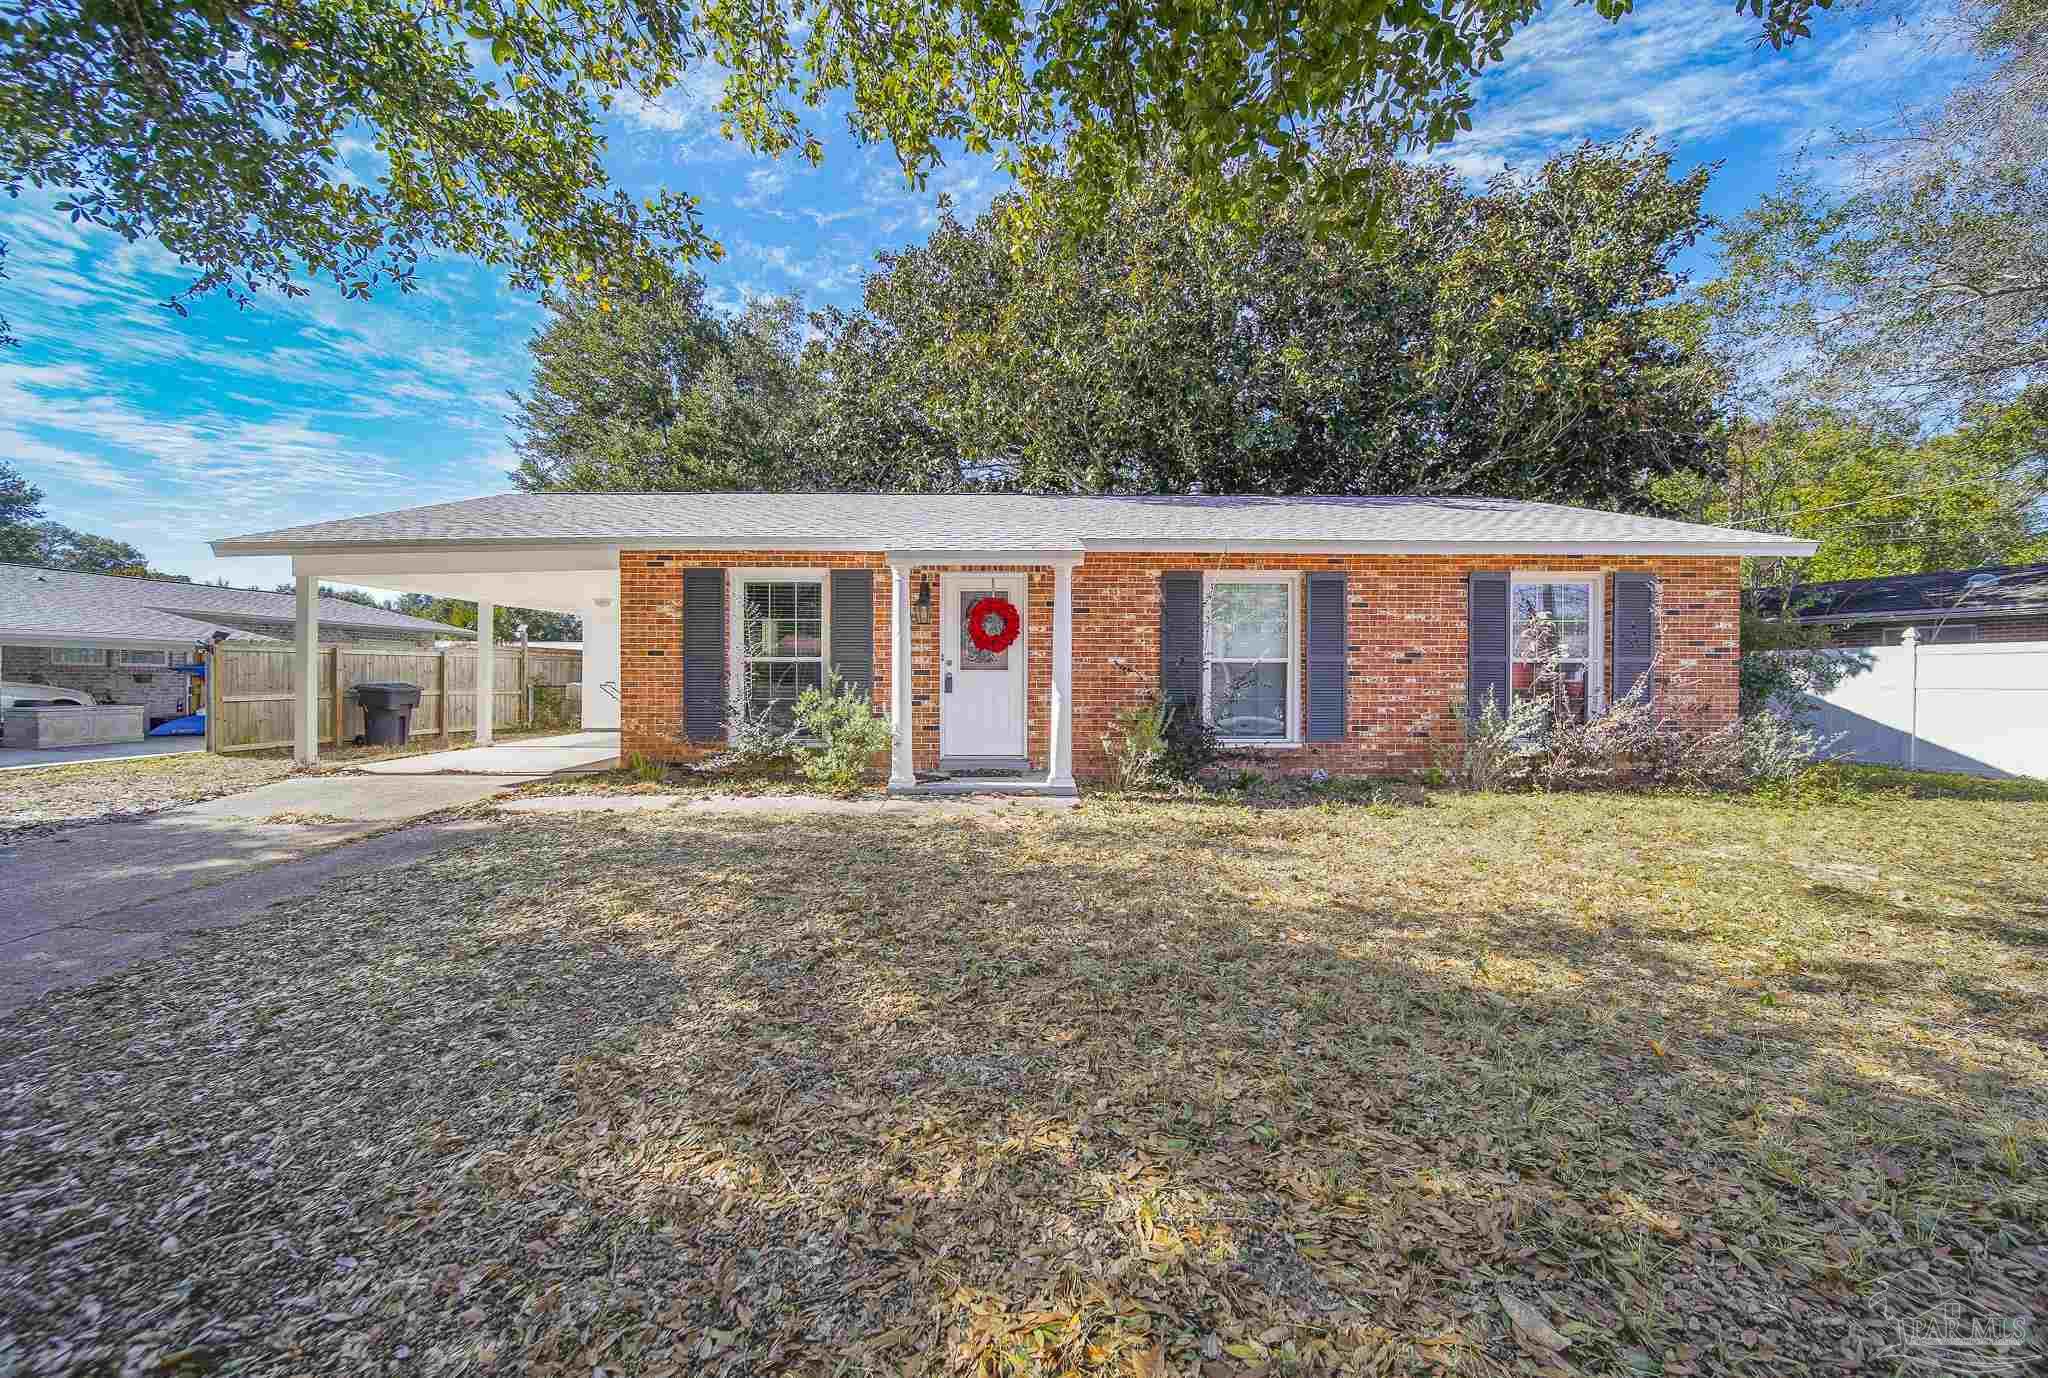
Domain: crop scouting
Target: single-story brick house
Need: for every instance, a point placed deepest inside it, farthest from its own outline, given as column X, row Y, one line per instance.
column 1009, row 631
column 1990, row 603
column 116, row 636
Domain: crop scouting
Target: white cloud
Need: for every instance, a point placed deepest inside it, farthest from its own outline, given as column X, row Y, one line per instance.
column 1684, row 72
column 765, row 189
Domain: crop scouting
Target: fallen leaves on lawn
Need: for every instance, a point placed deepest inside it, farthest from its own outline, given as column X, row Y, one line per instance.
column 1141, row 1089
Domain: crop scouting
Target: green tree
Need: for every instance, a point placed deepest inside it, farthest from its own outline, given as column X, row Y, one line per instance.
column 1522, row 340
column 216, row 126
column 62, row 548
column 21, row 506
column 1916, row 270
column 540, row 624
column 656, row 391
column 1881, row 498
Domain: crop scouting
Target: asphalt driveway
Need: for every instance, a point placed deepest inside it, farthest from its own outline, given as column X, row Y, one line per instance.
column 83, row 902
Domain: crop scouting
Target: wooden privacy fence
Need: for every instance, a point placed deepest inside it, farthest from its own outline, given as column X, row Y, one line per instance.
column 251, row 690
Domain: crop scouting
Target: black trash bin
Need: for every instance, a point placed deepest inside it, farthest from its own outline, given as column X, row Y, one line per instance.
column 387, row 711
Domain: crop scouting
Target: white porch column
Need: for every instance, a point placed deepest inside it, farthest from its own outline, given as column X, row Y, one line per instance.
column 306, row 693
column 601, row 662
column 902, row 774
column 1060, row 718
column 486, row 670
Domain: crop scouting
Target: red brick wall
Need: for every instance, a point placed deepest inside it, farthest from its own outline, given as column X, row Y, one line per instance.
column 1407, row 645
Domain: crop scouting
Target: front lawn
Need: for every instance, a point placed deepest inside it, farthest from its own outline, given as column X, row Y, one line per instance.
column 92, row 791
column 1689, row 1086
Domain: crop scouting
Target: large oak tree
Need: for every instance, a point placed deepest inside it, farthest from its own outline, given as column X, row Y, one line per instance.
column 1527, row 339
column 217, row 126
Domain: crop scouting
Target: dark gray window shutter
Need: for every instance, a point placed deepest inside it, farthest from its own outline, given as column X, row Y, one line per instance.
column 1635, row 631
column 853, row 628
column 704, row 654
column 1327, row 635
column 1486, row 642
column 1180, row 637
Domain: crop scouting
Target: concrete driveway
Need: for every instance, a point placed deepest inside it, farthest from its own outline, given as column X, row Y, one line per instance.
column 83, row 902
column 21, row 758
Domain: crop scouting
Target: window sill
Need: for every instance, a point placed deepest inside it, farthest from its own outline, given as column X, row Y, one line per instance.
column 1257, row 744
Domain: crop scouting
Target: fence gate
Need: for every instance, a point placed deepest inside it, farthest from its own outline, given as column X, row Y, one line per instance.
column 251, row 689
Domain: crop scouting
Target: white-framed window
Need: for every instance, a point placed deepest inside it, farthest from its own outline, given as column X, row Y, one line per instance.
column 780, row 637
column 1564, row 610
column 137, row 659
column 77, row 655
column 1250, row 656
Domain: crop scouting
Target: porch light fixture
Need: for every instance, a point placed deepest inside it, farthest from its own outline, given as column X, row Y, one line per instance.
column 921, row 614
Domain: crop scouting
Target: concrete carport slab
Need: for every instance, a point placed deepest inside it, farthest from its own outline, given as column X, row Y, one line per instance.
column 528, row 757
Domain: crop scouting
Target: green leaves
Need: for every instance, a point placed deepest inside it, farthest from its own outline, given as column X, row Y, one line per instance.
column 209, row 126
column 1523, row 341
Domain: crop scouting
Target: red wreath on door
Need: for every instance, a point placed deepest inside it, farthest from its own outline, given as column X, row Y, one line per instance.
column 993, row 623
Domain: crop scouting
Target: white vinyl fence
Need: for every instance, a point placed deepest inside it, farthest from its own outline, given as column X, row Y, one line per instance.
column 1976, row 707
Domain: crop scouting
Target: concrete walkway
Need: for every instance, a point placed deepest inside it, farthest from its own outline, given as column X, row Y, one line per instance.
column 527, row 757
column 927, row 807
column 20, row 758
column 84, row 902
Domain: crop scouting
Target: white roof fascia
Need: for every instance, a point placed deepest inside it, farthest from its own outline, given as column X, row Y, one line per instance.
column 1050, row 555
column 11, row 636
column 313, row 554
column 1488, row 547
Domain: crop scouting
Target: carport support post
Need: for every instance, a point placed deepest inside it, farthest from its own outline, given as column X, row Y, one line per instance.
column 486, row 670
column 306, row 721
column 902, row 773
column 1061, row 718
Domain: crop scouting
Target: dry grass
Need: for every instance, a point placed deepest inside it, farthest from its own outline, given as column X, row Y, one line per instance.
column 90, row 791
column 1689, row 1086
column 96, row 791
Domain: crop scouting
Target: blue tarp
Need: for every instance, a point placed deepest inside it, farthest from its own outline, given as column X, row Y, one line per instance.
column 191, row 725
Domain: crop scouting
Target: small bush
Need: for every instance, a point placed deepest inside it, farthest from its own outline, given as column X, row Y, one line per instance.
column 759, row 741
column 1136, row 744
column 1638, row 743
column 846, row 735
column 1190, row 746
column 646, row 769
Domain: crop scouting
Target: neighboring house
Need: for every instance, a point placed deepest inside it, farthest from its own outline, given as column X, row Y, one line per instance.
column 1343, row 633
column 1996, row 603
column 117, row 637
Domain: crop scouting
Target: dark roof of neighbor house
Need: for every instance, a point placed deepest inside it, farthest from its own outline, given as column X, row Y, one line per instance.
column 66, row 606
column 958, row 522
column 1992, row 591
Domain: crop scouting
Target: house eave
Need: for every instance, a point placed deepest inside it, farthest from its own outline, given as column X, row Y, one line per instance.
column 29, row 636
column 611, row 545
column 1965, row 614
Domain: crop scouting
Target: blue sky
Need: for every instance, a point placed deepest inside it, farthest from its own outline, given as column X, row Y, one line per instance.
column 167, row 432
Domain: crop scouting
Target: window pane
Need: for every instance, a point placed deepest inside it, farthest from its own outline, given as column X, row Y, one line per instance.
column 772, row 686
column 1526, row 675
column 1552, row 614
column 1248, row 621
column 784, row 619
column 1248, row 700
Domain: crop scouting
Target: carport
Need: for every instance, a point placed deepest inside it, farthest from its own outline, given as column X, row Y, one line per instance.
column 583, row 581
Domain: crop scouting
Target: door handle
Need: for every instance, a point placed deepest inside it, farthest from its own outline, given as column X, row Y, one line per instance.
column 949, row 681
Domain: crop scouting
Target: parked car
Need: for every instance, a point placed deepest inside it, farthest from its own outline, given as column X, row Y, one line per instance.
column 16, row 694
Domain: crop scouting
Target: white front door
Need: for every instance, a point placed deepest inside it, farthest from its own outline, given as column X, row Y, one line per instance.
column 981, row 693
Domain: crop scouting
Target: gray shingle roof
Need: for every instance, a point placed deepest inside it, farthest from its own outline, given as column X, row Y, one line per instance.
column 1010, row 522
column 1988, row 591
column 63, row 604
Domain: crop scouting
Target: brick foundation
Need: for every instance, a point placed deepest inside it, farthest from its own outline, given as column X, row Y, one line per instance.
column 1406, row 672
